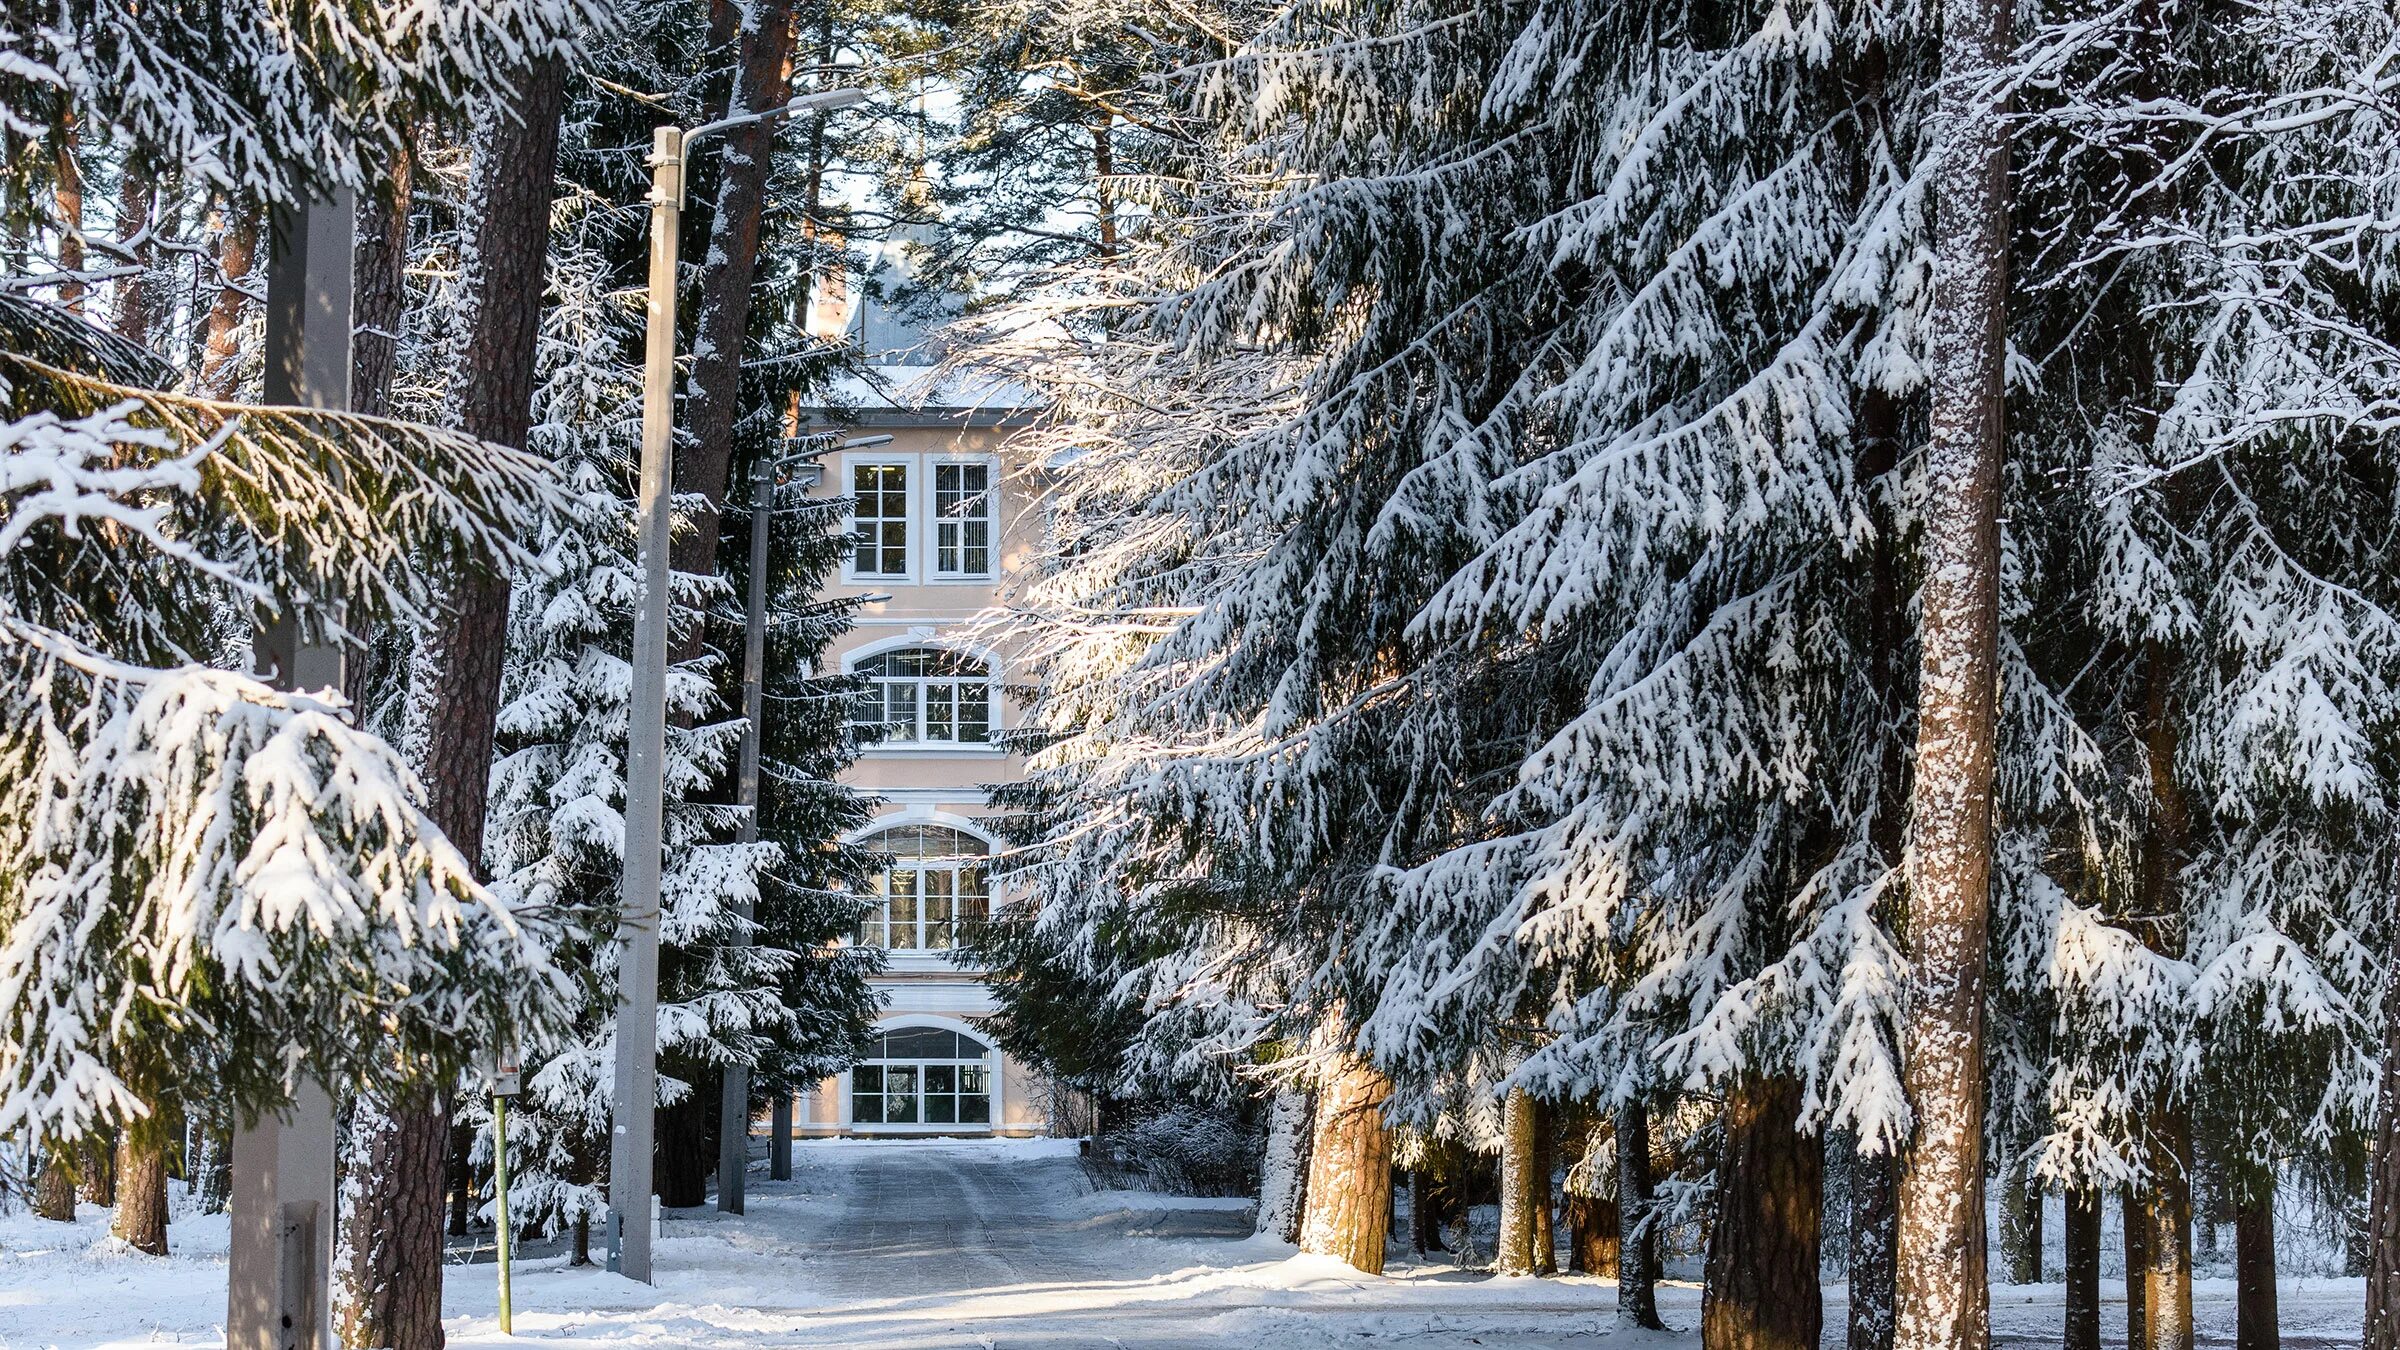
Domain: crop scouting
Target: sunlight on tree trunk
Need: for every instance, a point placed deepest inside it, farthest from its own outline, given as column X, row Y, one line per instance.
column 1348, row 1206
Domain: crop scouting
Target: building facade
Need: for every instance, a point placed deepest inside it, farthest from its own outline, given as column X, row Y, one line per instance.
column 941, row 516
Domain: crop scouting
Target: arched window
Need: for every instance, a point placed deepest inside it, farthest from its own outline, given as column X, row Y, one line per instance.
column 922, row 1076
column 930, row 892
column 926, row 696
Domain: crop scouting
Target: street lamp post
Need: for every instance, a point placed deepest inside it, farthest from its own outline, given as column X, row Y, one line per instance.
column 733, row 1130
column 636, row 1088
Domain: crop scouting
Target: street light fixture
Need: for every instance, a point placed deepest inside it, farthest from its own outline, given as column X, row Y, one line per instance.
column 636, row 1088
column 733, row 1115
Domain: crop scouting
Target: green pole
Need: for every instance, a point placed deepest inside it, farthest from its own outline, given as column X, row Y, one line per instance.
column 500, row 1195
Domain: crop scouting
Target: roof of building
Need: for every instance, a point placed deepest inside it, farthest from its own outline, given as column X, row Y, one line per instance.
column 884, row 396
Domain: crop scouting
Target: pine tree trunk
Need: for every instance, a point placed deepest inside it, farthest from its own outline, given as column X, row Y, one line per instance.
column 1637, row 1249
column 388, row 1271
column 704, row 462
column 379, row 288
column 1764, row 1244
column 2382, row 1327
column 137, row 195
column 141, row 1190
column 1874, row 1229
column 1545, row 1168
column 1283, row 1171
column 237, row 251
column 96, row 1172
column 2137, row 1261
column 583, row 1241
column 2167, row 1217
column 54, row 1193
column 67, row 193
column 2082, row 1331
column 2257, row 1325
column 1593, row 1236
column 1519, row 1189
column 392, row 1242
column 2021, row 1223
column 1941, row 1295
column 1348, row 1202
column 211, row 1146
column 459, row 1178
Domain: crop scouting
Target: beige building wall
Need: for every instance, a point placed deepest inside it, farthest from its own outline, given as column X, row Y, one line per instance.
column 935, row 784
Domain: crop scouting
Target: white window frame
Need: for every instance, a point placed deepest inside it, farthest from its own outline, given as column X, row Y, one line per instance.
column 913, row 500
column 993, row 727
column 954, row 867
column 932, row 517
column 912, row 1021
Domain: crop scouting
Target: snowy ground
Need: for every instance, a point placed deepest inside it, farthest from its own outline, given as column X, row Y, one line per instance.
column 928, row 1245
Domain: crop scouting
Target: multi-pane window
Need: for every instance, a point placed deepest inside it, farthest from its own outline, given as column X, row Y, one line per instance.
column 931, row 893
column 880, row 545
column 925, row 695
column 962, row 519
column 922, row 1076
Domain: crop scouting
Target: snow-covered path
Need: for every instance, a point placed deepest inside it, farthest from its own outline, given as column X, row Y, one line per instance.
column 929, row 1245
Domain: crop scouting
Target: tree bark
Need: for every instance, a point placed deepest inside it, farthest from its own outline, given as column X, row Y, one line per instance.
column 141, row 1190
column 1520, row 1190
column 392, row 1258
column 237, row 250
column 1348, row 1204
column 1545, row 1167
column 704, row 461
column 1941, row 1295
column 2137, row 1261
column 2257, row 1325
column 1283, row 1172
column 1593, row 1234
column 1637, row 1248
column 684, row 1160
column 2166, row 1215
column 54, row 1193
column 1765, row 1243
column 1874, row 1229
column 69, row 197
column 2082, row 1331
column 137, row 197
column 2021, row 1223
column 379, row 287
column 2382, row 1327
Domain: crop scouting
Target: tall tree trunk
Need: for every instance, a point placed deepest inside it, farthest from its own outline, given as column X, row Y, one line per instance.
column 1545, row 1167
column 393, row 1244
column 1874, row 1229
column 1942, row 1299
column 1637, row 1248
column 2382, row 1327
column 1593, row 1236
column 137, row 201
column 1765, row 1242
column 459, row 1177
column 2021, row 1223
column 2137, row 1261
column 1283, row 1171
column 1520, row 1190
column 2082, row 1330
column 1348, row 1204
column 1104, row 185
column 220, row 353
column 379, row 288
column 2166, row 1216
column 141, row 1188
column 2257, row 1325
column 704, row 462
column 54, row 1193
column 69, row 197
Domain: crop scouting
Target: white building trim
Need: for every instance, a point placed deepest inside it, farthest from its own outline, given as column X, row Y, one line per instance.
column 993, row 1074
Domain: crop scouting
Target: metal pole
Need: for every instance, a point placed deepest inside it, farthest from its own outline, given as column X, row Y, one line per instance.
column 733, row 1129
column 500, row 1201
column 779, row 1140
column 636, row 1096
column 280, row 1260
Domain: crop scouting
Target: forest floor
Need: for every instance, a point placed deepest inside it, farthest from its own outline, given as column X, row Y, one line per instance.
column 930, row 1245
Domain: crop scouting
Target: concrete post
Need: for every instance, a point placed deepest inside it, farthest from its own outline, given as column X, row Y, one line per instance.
column 279, row 1267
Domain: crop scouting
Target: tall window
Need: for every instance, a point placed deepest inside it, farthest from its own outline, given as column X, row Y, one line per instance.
column 926, row 695
column 962, row 519
column 881, row 546
column 922, row 1076
column 931, row 891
